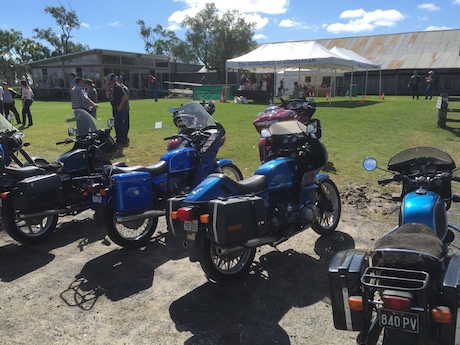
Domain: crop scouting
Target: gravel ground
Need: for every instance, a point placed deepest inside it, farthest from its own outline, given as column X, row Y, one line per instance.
column 78, row 287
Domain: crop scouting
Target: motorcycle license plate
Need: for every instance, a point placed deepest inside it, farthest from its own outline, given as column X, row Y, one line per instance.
column 191, row 225
column 97, row 198
column 398, row 320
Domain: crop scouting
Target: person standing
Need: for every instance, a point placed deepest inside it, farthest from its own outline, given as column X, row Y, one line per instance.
column 126, row 106
column 118, row 97
column 27, row 99
column 1, row 101
column 8, row 102
column 73, row 82
column 431, row 79
column 153, row 80
column 414, row 83
column 79, row 98
column 92, row 95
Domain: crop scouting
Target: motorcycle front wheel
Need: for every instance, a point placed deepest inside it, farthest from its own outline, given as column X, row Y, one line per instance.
column 232, row 171
column 29, row 230
column 133, row 233
column 225, row 268
column 329, row 208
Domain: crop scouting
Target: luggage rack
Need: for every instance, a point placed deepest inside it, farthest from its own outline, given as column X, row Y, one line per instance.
column 394, row 278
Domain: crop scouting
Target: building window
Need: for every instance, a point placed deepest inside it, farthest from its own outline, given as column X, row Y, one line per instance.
column 111, row 59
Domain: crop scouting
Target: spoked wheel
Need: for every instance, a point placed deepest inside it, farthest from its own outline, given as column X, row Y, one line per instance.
column 133, row 233
column 329, row 208
column 226, row 268
column 29, row 230
column 231, row 171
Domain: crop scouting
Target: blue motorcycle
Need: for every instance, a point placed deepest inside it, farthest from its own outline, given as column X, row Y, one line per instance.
column 407, row 287
column 224, row 221
column 129, row 200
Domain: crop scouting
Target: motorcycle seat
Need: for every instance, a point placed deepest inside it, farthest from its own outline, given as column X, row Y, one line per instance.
column 412, row 246
column 160, row 167
column 252, row 185
column 24, row 172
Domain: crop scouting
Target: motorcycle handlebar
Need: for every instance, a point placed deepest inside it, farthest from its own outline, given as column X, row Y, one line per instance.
column 66, row 141
column 386, row 181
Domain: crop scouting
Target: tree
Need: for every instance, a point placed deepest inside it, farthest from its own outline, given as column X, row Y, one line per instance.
column 67, row 21
column 214, row 38
column 15, row 51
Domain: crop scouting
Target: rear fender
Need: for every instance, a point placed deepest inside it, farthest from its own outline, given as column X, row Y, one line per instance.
column 196, row 248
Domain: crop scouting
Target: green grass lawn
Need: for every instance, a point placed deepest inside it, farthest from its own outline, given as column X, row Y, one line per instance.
column 351, row 132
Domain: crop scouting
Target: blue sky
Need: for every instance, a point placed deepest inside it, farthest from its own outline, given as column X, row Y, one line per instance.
column 112, row 24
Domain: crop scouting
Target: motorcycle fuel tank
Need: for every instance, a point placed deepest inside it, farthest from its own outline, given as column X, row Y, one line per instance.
column 281, row 173
column 427, row 208
column 74, row 160
column 181, row 159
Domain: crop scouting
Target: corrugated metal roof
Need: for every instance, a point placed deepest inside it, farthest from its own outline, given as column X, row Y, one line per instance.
column 413, row 50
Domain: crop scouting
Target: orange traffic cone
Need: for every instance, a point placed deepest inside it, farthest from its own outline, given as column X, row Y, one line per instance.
column 383, row 96
column 221, row 98
column 327, row 96
column 362, row 99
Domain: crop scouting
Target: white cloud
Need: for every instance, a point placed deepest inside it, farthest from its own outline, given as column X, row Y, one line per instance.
column 424, row 18
column 361, row 20
column 247, row 7
column 256, row 19
column 435, row 28
column 429, row 7
column 288, row 23
column 456, row 2
column 260, row 37
column 85, row 25
column 115, row 24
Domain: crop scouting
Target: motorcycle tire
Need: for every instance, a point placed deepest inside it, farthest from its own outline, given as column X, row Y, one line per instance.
column 30, row 230
column 327, row 220
column 232, row 171
column 225, row 268
column 131, row 234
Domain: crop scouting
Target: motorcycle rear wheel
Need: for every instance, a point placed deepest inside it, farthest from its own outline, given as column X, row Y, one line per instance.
column 131, row 234
column 225, row 268
column 329, row 208
column 232, row 171
column 30, row 230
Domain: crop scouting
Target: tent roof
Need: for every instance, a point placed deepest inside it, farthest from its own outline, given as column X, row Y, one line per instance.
column 307, row 54
column 360, row 61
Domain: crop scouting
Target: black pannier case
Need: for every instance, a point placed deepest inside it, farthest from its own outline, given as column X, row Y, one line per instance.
column 38, row 193
column 238, row 219
column 344, row 276
column 451, row 292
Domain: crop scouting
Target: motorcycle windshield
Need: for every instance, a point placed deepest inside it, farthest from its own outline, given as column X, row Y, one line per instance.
column 5, row 125
column 287, row 127
column 193, row 115
column 421, row 155
column 84, row 123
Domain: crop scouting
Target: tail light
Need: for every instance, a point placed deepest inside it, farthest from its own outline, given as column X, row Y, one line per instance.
column 185, row 214
column 400, row 301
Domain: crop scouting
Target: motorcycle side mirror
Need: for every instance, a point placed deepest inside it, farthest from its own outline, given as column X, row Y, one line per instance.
column 9, row 117
column 72, row 132
column 159, row 125
column 111, row 122
column 264, row 133
column 369, row 164
column 26, row 144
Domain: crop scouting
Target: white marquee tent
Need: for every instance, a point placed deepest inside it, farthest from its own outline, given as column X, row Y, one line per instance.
column 305, row 54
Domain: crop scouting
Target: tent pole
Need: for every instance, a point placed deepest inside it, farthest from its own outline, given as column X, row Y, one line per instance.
column 351, row 84
column 330, row 84
column 365, row 88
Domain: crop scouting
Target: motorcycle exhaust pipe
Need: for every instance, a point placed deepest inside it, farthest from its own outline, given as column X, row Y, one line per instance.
column 47, row 213
column 255, row 242
column 146, row 214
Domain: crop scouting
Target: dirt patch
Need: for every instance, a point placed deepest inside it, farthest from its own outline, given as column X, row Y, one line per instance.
column 78, row 287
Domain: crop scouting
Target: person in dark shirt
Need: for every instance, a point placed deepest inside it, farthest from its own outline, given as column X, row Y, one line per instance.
column 118, row 97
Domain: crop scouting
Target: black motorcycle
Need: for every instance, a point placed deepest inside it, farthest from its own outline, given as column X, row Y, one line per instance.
column 33, row 197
